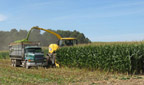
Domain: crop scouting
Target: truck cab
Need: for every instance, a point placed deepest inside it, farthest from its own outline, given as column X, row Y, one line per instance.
column 34, row 56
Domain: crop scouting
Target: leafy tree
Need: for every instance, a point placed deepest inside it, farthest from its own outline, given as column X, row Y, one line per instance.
column 45, row 38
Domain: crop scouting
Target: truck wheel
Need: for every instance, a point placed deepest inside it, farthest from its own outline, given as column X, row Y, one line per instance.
column 27, row 67
column 14, row 63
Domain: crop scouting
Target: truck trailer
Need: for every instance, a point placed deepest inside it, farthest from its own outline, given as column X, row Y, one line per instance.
column 26, row 54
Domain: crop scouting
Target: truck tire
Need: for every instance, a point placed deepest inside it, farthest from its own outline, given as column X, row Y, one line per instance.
column 26, row 66
column 13, row 63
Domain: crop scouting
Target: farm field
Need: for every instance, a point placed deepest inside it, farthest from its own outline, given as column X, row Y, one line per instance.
column 62, row 76
column 72, row 42
column 66, row 74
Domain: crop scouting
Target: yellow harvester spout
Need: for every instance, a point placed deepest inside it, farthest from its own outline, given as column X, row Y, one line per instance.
column 53, row 48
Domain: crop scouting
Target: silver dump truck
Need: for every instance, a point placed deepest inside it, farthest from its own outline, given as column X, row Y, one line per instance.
column 26, row 54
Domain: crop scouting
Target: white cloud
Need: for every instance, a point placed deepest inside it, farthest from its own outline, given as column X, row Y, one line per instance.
column 2, row 18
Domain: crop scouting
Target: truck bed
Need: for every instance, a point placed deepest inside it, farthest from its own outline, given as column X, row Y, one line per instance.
column 16, row 50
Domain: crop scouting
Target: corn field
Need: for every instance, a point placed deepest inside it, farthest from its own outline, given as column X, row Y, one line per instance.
column 110, row 57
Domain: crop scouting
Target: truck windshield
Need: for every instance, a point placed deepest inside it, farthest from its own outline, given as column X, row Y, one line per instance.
column 34, row 50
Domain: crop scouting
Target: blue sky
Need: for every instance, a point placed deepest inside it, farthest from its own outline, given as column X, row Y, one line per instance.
column 99, row 20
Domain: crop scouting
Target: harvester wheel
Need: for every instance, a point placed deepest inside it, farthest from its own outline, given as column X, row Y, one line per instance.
column 51, row 60
column 48, row 62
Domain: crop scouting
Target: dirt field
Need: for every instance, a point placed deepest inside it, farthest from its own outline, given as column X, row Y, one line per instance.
column 63, row 76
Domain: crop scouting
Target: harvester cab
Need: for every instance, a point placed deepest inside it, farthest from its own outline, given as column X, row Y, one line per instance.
column 54, row 47
column 67, row 42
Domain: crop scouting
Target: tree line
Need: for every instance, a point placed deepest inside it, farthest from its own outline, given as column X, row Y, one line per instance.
column 45, row 38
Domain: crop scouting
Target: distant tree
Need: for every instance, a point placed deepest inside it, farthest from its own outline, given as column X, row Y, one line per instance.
column 80, row 36
column 22, row 33
column 13, row 30
column 2, row 40
column 6, row 37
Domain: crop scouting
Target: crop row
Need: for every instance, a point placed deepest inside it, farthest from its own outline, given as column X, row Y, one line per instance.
column 118, row 57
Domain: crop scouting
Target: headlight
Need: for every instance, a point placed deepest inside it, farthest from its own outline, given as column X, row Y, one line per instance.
column 30, row 60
